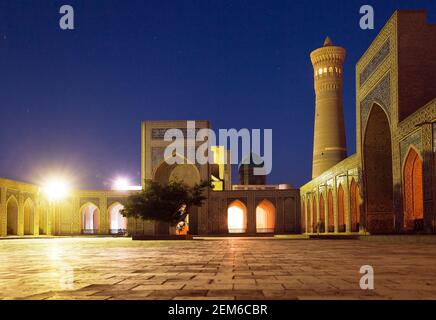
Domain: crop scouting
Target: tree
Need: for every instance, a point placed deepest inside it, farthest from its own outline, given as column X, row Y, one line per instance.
column 170, row 202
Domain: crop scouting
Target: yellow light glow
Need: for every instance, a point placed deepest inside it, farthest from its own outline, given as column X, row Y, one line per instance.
column 121, row 184
column 56, row 189
column 235, row 219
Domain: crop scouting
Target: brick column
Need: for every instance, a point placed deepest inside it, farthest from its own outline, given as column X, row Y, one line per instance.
column 326, row 210
column 103, row 227
column 20, row 222
column 36, row 213
column 335, row 206
column 347, row 207
column 251, row 214
column 427, row 174
column 306, row 216
column 50, row 218
column 3, row 213
column 280, row 226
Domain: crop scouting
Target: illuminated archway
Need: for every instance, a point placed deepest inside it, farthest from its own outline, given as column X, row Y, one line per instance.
column 237, row 217
column 413, row 203
column 186, row 172
column 321, row 213
column 265, row 217
column 117, row 223
column 331, row 216
column 29, row 217
column 377, row 156
column 12, row 216
column 303, row 215
column 89, row 214
column 341, row 209
column 355, row 206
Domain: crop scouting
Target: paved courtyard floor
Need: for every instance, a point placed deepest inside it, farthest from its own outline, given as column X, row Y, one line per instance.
column 119, row 268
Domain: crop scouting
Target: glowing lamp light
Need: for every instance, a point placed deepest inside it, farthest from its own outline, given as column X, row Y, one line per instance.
column 235, row 219
column 56, row 189
column 122, row 184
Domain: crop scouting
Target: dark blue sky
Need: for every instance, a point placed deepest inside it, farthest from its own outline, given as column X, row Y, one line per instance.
column 73, row 100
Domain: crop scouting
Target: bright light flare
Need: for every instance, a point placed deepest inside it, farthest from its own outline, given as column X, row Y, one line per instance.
column 122, row 184
column 56, row 189
column 235, row 219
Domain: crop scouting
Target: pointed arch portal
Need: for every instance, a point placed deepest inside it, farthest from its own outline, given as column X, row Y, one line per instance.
column 341, row 209
column 331, row 217
column 355, row 206
column 265, row 217
column 321, row 214
column 12, row 216
column 377, row 157
column 89, row 214
column 29, row 217
column 237, row 217
column 117, row 223
column 413, row 205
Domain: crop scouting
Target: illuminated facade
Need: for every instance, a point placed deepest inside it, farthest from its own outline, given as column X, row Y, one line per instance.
column 229, row 208
column 26, row 210
column 388, row 185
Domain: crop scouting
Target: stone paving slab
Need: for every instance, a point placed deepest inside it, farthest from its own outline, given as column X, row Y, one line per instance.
column 229, row 269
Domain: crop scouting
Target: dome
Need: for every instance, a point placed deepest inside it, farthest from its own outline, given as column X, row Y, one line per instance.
column 252, row 160
column 246, row 170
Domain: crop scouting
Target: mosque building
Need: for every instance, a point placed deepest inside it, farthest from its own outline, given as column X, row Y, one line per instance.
column 387, row 186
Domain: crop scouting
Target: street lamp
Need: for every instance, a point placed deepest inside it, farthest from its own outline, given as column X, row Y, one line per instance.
column 123, row 184
column 56, row 189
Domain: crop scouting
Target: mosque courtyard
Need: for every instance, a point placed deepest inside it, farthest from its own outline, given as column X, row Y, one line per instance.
column 222, row 268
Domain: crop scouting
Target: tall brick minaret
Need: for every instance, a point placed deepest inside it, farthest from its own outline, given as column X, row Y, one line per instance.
column 329, row 146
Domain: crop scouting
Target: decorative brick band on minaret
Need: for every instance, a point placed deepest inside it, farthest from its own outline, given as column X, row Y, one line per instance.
column 329, row 145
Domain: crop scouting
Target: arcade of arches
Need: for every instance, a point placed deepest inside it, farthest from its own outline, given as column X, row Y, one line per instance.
column 265, row 217
column 363, row 199
column 321, row 217
column 388, row 185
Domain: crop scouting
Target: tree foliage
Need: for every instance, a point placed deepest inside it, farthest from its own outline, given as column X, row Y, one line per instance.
column 170, row 202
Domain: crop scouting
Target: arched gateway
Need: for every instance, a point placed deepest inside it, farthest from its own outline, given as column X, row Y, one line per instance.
column 377, row 157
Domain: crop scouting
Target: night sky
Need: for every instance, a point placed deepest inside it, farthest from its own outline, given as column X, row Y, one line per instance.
column 72, row 101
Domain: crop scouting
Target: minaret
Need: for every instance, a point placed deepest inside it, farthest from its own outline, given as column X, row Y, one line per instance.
column 329, row 145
